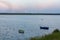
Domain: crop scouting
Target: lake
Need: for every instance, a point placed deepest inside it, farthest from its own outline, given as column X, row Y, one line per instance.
column 10, row 24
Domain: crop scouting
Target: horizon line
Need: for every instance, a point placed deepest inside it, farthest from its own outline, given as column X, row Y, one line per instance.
column 29, row 13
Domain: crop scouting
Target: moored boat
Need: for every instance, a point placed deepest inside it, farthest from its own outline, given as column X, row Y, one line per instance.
column 45, row 28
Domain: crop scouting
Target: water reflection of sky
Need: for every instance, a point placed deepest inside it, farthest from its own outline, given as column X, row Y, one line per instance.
column 9, row 25
column 33, row 19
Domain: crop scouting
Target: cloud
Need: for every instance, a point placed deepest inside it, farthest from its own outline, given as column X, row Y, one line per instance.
column 31, row 5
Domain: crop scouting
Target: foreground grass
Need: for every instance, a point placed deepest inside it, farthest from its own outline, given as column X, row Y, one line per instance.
column 53, row 36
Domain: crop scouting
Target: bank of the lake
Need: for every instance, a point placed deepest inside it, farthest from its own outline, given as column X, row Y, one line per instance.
column 53, row 36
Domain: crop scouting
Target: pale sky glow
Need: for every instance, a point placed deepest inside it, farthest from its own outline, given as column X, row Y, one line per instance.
column 34, row 4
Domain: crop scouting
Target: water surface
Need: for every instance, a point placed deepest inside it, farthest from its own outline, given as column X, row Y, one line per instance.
column 10, row 24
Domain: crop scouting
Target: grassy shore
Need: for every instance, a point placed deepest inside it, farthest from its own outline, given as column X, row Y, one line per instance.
column 53, row 36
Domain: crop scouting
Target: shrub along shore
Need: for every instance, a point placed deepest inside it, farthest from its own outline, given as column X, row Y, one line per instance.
column 54, row 36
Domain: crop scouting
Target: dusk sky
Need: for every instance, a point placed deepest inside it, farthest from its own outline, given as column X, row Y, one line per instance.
column 30, row 6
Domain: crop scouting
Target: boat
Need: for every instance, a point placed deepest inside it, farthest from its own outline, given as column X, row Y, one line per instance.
column 21, row 31
column 45, row 28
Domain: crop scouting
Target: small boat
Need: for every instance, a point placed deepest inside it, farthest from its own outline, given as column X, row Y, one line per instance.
column 45, row 28
column 21, row 31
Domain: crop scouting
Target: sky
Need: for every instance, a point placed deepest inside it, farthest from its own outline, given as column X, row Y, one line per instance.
column 30, row 6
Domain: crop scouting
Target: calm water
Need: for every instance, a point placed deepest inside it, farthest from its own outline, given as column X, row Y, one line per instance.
column 10, row 24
